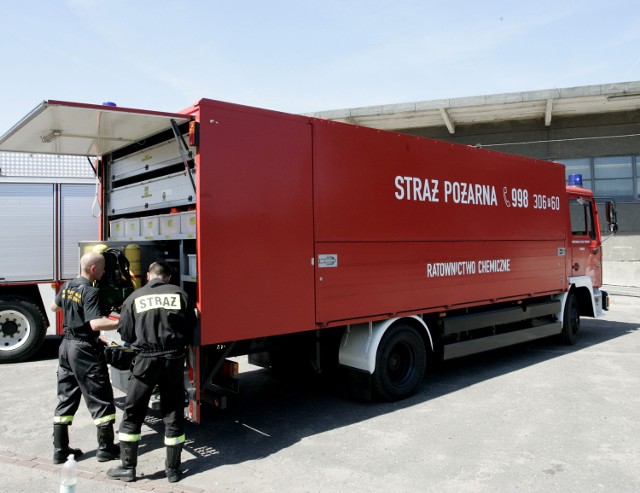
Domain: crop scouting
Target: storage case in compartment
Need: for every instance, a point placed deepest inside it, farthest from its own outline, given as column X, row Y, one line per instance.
column 120, row 378
column 168, row 191
column 131, row 227
column 188, row 223
column 150, row 226
column 116, row 228
column 169, row 225
column 192, row 265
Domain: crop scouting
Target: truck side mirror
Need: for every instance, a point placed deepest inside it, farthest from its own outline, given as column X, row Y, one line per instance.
column 612, row 217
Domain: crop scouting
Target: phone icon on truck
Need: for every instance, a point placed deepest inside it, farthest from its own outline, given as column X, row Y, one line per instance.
column 505, row 194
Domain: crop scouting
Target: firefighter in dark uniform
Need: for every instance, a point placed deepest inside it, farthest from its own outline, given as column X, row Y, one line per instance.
column 82, row 369
column 158, row 320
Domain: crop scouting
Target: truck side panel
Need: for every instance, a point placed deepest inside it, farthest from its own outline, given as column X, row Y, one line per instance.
column 369, row 185
column 27, row 210
column 386, row 279
column 407, row 225
column 76, row 224
column 255, row 223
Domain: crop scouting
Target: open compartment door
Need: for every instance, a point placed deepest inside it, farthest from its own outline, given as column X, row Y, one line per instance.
column 77, row 129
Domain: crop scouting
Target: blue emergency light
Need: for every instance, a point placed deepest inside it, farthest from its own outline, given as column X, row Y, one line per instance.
column 575, row 180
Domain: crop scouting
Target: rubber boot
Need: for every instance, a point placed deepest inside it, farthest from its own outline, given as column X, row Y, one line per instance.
column 172, row 463
column 126, row 471
column 61, row 449
column 107, row 450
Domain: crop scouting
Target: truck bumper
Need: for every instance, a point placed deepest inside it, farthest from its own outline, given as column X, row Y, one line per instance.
column 605, row 300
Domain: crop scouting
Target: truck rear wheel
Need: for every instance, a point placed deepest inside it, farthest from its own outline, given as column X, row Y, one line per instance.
column 400, row 363
column 570, row 320
column 22, row 329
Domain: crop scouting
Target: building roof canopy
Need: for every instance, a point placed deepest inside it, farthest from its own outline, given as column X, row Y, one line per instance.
column 545, row 105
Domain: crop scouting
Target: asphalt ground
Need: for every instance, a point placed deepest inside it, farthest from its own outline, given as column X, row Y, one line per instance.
column 539, row 417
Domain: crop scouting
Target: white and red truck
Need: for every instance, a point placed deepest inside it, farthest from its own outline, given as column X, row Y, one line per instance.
column 338, row 247
column 42, row 219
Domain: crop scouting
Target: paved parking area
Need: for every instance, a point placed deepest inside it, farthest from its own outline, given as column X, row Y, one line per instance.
column 538, row 417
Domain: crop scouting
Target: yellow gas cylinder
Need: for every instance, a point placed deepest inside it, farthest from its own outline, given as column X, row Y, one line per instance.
column 97, row 248
column 132, row 252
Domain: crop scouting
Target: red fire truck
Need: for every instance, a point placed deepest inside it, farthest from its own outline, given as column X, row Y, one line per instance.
column 310, row 242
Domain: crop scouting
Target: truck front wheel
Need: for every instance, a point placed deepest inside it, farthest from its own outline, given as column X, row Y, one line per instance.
column 570, row 320
column 400, row 363
column 22, row 329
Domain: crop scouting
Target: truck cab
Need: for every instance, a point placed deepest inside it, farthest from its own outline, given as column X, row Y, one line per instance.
column 584, row 257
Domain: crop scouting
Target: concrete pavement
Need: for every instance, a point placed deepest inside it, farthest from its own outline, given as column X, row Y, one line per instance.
column 539, row 417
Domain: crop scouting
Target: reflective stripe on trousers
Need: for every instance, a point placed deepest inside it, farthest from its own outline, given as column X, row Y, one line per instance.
column 109, row 418
column 173, row 441
column 128, row 437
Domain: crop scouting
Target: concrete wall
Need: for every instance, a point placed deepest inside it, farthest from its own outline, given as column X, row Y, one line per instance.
column 583, row 136
column 621, row 266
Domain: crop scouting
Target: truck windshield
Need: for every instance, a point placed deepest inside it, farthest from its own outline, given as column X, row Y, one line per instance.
column 581, row 218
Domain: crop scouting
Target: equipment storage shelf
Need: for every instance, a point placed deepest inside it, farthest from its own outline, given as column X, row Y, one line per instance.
column 154, row 237
column 176, row 226
column 148, row 160
column 172, row 190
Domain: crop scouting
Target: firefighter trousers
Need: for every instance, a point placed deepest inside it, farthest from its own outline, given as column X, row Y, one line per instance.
column 82, row 371
column 167, row 372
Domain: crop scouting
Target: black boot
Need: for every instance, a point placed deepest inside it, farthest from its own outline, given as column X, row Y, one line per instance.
column 172, row 463
column 106, row 448
column 128, row 462
column 61, row 449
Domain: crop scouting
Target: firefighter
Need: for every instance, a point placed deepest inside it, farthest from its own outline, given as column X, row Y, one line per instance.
column 158, row 320
column 82, row 369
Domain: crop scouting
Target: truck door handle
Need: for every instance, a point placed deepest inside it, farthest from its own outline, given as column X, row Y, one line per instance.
column 576, row 266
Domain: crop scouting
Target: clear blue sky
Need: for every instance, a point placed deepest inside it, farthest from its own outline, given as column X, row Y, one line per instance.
column 303, row 55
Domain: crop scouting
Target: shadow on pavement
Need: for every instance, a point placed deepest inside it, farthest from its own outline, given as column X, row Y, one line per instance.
column 270, row 414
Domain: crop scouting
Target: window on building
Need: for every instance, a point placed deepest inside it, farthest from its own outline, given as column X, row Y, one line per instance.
column 616, row 177
column 613, row 176
column 637, row 158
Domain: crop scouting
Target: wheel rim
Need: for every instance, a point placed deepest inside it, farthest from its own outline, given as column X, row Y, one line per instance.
column 14, row 330
column 575, row 318
column 400, row 365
